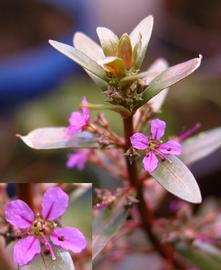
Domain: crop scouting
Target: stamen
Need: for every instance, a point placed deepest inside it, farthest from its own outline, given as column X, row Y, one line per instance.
column 48, row 246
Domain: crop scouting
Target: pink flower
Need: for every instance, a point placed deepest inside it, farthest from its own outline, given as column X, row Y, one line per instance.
column 40, row 231
column 153, row 146
column 78, row 159
column 79, row 120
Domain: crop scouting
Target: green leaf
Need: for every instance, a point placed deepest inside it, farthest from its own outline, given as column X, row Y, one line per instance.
column 114, row 65
column 109, row 41
column 80, row 58
column 89, row 47
column 107, row 223
column 116, row 108
column 44, row 262
column 55, row 137
column 176, row 178
column 201, row 145
column 203, row 260
column 169, row 77
column 143, row 29
column 125, row 50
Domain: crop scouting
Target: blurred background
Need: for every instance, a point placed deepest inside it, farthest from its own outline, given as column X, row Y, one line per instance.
column 40, row 87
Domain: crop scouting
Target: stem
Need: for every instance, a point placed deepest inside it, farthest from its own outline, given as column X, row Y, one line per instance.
column 5, row 260
column 146, row 214
column 24, row 192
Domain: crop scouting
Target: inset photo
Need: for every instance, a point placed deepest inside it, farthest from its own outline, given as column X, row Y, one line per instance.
column 45, row 226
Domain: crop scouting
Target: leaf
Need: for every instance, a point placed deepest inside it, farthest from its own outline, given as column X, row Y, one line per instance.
column 176, row 178
column 86, row 45
column 109, row 41
column 44, row 262
column 116, row 108
column 157, row 101
column 89, row 47
column 55, row 137
column 143, row 29
column 114, row 65
column 102, row 84
column 169, row 77
column 201, row 145
column 125, row 50
column 107, row 223
column 203, row 260
column 80, row 58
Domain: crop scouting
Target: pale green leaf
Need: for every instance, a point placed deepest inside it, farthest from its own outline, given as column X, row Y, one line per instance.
column 107, row 223
column 169, row 77
column 109, row 41
column 55, row 137
column 44, row 262
column 201, row 145
column 80, row 58
column 143, row 29
column 89, row 47
column 176, row 178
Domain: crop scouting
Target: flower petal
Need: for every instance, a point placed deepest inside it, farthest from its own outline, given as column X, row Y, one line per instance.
column 26, row 249
column 171, row 147
column 19, row 214
column 150, row 162
column 54, row 203
column 139, row 141
column 157, row 128
column 69, row 238
column 78, row 159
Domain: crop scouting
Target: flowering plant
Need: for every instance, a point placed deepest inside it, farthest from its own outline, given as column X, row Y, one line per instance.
column 137, row 96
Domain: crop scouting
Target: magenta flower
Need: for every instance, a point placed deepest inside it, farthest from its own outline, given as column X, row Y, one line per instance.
column 41, row 231
column 153, row 146
column 79, row 120
column 78, row 159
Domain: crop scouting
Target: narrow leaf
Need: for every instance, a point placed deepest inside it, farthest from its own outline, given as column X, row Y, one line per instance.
column 143, row 29
column 169, row 77
column 80, row 58
column 201, row 145
column 176, row 178
column 114, row 65
column 198, row 258
column 106, row 224
column 109, row 41
column 102, row 84
column 89, row 47
column 116, row 108
column 55, row 137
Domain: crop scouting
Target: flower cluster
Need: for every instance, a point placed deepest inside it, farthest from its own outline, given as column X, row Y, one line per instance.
column 153, row 146
column 41, row 230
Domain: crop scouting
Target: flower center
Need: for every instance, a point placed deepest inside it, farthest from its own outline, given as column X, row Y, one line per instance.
column 40, row 226
column 153, row 144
